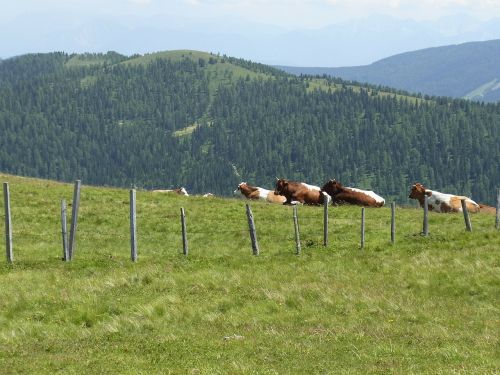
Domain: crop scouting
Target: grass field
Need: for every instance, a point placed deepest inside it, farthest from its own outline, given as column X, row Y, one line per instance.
column 424, row 305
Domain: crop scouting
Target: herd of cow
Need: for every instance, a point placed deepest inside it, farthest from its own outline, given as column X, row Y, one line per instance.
column 291, row 192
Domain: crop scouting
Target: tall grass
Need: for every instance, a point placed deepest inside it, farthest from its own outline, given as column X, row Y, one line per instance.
column 423, row 305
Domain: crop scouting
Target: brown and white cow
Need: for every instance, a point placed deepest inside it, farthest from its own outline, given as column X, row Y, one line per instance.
column 255, row 192
column 347, row 195
column 300, row 192
column 441, row 202
column 180, row 191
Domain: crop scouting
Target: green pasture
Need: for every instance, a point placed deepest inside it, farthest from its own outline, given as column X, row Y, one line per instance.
column 425, row 305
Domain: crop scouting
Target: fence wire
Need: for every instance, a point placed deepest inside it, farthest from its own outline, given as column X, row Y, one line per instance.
column 162, row 233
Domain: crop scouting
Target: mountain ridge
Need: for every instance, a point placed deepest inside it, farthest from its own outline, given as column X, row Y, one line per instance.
column 458, row 71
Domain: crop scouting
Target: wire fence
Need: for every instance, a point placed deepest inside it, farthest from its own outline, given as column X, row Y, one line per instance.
column 250, row 230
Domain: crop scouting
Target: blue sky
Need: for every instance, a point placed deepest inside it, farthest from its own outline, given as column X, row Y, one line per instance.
column 289, row 32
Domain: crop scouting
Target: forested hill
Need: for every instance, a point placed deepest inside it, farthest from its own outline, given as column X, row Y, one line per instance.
column 207, row 122
column 469, row 70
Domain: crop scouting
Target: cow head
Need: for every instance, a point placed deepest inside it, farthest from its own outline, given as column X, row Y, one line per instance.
column 281, row 186
column 332, row 187
column 182, row 191
column 418, row 192
column 238, row 189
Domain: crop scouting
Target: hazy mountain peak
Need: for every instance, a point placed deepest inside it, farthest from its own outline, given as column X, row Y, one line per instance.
column 355, row 42
column 469, row 70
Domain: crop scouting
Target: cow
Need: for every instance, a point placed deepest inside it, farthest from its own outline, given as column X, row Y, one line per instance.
column 180, row 191
column 300, row 192
column 208, row 195
column 254, row 192
column 441, row 202
column 347, row 195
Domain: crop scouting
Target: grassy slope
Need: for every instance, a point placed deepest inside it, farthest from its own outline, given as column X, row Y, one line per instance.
column 425, row 305
column 220, row 73
column 322, row 84
column 480, row 92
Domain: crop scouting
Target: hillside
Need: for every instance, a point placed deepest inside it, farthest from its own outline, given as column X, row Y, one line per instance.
column 423, row 305
column 468, row 70
column 207, row 122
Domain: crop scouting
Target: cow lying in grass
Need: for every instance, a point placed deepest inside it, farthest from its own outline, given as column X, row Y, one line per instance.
column 180, row 191
column 300, row 192
column 441, row 202
column 255, row 192
column 348, row 195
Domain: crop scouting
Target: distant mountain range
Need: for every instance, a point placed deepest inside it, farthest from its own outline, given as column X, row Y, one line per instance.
column 344, row 42
column 469, row 70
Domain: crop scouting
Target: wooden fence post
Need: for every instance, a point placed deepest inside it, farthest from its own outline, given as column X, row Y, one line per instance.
column 64, row 231
column 253, row 233
column 425, row 231
column 8, row 223
column 362, row 227
column 74, row 218
column 296, row 226
column 133, row 226
column 497, row 217
column 325, row 220
column 184, row 232
column 393, row 222
column 468, row 225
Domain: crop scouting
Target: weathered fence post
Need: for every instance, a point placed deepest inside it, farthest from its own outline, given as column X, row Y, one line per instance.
column 64, row 231
column 362, row 227
column 184, row 232
column 325, row 220
column 253, row 233
column 425, row 231
column 393, row 222
column 468, row 225
column 497, row 217
column 133, row 226
column 8, row 223
column 296, row 226
column 74, row 218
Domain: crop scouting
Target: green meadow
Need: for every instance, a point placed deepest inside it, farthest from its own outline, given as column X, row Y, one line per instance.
column 424, row 305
